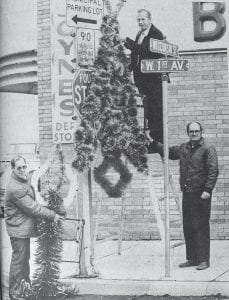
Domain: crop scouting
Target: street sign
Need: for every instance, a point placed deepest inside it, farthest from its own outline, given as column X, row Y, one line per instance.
column 164, row 65
column 163, row 47
column 85, row 46
column 87, row 13
column 80, row 86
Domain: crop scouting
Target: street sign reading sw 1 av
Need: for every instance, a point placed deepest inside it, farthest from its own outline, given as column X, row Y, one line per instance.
column 86, row 14
column 164, row 65
column 163, row 47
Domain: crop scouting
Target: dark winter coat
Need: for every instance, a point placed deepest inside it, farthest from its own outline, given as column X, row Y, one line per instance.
column 145, row 82
column 198, row 165
column 21, row 208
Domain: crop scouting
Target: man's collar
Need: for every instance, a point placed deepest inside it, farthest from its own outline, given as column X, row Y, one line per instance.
column 146, row 32
column 200, row 142
column 15, row 176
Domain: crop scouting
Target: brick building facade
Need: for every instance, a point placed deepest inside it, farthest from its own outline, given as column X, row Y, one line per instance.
column 200, row 94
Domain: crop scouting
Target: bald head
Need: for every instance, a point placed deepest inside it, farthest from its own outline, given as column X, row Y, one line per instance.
column 194, row 122
column 194, row 131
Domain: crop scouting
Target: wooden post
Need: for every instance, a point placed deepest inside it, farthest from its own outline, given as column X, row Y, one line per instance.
column 166, row 173
column 121, row 226
column 92, row 258
column 82, row 261
column 156, row 208
column 97, row 219
column 175, row 192
column 85, row 267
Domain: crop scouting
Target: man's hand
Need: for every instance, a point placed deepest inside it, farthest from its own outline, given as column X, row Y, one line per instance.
column 130, row 44
column 58, row 218
column 147, row 133
column 205, row 195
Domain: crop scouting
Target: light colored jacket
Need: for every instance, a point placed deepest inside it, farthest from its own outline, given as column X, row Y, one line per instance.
column 21, row 208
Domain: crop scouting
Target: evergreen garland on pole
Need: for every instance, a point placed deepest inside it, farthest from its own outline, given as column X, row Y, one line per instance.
column 49, row 242
column 109, row 113
column 48, row 252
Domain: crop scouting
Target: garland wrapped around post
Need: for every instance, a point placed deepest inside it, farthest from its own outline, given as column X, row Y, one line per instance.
column 49, row 242
column 109, row 113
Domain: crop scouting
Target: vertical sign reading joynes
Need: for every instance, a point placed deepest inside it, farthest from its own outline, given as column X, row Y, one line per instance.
column 62, row 52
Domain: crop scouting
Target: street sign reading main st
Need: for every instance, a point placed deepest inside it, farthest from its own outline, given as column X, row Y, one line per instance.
column 163, row 47
column 86, row 14
column 164, row 65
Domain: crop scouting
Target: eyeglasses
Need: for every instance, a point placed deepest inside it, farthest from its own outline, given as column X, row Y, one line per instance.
column 21, row 168
column 194, row 131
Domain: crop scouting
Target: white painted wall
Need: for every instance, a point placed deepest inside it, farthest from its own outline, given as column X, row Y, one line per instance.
column 18, row 120
column 18, row 23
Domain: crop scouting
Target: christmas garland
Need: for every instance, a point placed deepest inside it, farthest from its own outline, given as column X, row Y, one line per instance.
column 100, row 172
column 46, row 277
column 109, row 115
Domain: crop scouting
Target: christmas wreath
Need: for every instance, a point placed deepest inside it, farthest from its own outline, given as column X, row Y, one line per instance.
column 100, row 172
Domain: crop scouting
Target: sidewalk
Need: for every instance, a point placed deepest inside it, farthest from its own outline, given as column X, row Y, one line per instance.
column 139, row 270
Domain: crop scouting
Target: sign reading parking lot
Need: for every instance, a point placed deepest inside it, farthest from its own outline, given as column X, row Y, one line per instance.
column 164, row 65
column 84, row 13
column 163, row 47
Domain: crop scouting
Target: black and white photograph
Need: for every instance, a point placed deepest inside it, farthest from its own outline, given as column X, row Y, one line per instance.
column 114, row 150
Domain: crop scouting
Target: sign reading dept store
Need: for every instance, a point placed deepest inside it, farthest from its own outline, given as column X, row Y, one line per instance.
column 69, row 88
column 62, row 53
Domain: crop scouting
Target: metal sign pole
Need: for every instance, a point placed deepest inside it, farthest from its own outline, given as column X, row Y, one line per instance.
column 164, row 66
column 166, row 173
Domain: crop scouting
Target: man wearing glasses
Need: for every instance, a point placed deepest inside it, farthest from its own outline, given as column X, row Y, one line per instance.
column 198, row 175
column 21, row 209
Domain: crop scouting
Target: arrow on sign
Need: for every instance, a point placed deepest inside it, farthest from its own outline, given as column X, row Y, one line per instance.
column 82, row 20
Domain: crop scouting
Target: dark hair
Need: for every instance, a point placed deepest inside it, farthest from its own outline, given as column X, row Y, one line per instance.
column 145, row 10
column 187, row 127
column 16, row 158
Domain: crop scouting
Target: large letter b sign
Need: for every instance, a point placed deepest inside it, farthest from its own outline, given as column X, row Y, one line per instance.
column 202, row 16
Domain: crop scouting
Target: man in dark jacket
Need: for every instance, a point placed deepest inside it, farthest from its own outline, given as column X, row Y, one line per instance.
column 149, row 84
column 198, row 175
column 21, row 209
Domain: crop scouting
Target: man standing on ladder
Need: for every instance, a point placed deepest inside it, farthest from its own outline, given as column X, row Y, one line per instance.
column 198, row 175
column 149, row 85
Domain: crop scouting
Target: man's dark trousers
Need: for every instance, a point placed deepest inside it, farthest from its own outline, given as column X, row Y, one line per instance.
column 19, row 268
column 196, row 217
column 154, row 110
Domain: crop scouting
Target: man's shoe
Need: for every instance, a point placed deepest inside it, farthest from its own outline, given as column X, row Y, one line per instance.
column 202, row 266
column 188, row 263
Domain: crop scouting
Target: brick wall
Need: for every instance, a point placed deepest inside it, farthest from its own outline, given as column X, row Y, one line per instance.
column 200, row 94
column 44, row 77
